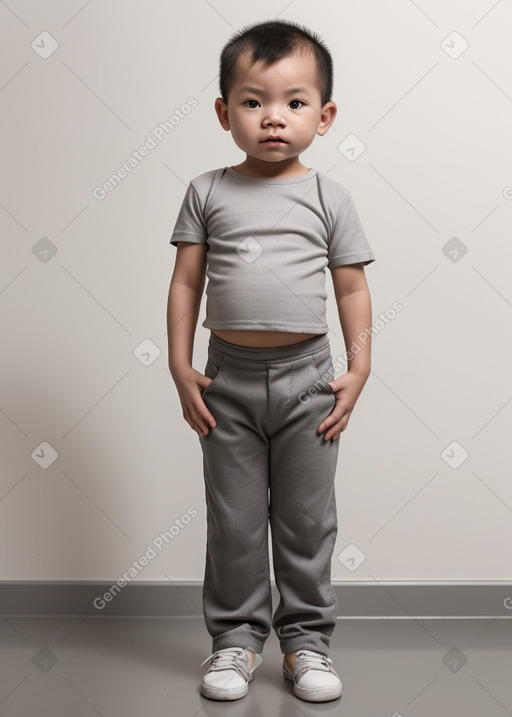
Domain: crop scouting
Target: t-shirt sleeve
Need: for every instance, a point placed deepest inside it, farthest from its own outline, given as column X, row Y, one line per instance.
column 190, row 224
column 348, row 243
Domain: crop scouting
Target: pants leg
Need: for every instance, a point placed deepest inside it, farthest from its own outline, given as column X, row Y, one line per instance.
column 268, row 403
column 303, row 513
column 237, row 602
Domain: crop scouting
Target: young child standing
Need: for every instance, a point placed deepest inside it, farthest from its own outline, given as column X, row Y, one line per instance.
column 268, row 411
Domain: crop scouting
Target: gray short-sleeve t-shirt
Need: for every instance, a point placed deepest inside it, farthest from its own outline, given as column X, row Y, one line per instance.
column 269, row 244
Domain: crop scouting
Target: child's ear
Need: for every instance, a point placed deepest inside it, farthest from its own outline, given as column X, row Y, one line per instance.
column 327, row 117
column 222, row 113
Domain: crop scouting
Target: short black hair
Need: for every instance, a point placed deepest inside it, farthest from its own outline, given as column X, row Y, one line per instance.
column 270, row 41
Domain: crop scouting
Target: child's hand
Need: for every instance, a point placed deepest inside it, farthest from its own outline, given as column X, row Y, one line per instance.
column 189, row 384
column 346, row 390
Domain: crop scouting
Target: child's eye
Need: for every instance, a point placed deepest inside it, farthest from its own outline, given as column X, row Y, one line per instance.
column 251, row 106
column 293, row 102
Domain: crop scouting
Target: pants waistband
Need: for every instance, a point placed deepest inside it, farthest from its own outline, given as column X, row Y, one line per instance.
column 270, row 353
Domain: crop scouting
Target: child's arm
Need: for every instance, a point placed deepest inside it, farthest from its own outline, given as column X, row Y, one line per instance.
column 355, row 312
column 185, row 294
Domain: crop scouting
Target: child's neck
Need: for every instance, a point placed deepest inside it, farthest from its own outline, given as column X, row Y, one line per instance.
column 253, row 167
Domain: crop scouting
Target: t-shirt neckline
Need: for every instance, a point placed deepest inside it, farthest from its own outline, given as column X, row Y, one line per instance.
column 271, row 180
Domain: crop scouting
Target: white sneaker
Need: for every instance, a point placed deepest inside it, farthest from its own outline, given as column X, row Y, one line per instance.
column 314, row 678
column 229, row 674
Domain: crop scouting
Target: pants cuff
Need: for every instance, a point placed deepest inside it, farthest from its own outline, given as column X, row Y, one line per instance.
column 296, row 645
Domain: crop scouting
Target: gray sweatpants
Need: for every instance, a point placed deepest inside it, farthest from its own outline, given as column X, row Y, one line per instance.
column 265, row 461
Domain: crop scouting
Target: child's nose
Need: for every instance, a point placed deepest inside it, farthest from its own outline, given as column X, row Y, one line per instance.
column 274, row 117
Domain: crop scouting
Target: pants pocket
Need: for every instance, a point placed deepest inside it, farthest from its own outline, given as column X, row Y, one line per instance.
column 322, row 366
column 213, row 369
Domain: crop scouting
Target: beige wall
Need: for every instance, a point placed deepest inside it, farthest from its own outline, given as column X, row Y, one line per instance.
column 84, row 283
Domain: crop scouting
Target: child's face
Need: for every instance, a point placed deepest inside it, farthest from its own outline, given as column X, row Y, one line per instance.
column 296, row 117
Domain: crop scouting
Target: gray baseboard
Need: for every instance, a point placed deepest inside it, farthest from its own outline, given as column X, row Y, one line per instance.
column 372, row 599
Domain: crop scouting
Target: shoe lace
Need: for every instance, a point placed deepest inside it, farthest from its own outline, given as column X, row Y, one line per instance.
column 313, row 660
column 225, row 659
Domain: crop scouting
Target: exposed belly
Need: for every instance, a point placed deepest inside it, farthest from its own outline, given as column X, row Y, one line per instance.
column 248, row 337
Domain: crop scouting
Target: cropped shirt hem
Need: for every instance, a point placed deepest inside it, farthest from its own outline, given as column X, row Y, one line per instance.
column 264, row 326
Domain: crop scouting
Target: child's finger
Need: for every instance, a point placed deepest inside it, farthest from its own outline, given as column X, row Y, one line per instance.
column 332, row 418
column 206, row 416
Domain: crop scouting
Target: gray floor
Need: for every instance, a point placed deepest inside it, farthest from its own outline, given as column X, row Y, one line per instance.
column 146, row 667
